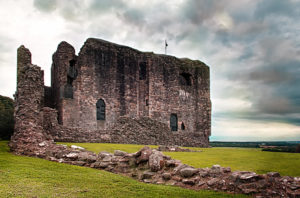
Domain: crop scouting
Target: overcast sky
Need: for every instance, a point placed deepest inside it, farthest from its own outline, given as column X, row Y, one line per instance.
column 251, row 46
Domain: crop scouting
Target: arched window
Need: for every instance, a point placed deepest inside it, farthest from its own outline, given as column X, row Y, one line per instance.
column 173, row 122
column 100, row 110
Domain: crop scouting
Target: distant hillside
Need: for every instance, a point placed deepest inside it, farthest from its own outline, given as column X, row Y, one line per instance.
column 6, row 117
column 254, row 144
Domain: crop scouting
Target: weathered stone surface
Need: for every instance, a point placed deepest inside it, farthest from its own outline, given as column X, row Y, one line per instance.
column 188, row 181
column 95, row 165
column 103, row 164
column 188, row 172
column 29, row 137
column 251, row 176
column 170, row 163
column 201, row 183
column 273, row 174
column 156, row 161
column 179, row 167
column 103, row 154
column 87, row 157
column 147, row 175
column 144, row 154
column 119, row 153
column 212, row 181
column 107, row 158
column 215, row 170
column 166, row 176
column 204, row 172
column 226, row 170
column 72, row 156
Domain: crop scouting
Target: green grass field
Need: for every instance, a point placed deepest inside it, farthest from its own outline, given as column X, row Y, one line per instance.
column 249, row 159
column 32, row 177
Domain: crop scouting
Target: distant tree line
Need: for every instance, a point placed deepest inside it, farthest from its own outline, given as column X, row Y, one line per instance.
column 236, row 144
column 289, row 149
column 287, row 146
column 6, row 117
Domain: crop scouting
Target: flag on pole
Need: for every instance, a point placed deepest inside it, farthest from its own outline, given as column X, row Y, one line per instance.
column 166, row 45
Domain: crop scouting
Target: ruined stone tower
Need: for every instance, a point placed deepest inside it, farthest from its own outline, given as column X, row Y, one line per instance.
column 113, row 93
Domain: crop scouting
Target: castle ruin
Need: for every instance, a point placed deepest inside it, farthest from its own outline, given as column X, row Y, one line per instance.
column 113, row 93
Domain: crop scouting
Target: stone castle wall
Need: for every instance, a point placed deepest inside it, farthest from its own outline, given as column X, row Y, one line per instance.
column 132, row 84
column 126, row 130
column 29, row 99
column 140, row 91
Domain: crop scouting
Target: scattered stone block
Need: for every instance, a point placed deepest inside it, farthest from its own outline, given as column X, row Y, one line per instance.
column 119, row 153
column 212, row 182
column 156, row 161
column 147, row 175
column 166, row 176
column 188, row 172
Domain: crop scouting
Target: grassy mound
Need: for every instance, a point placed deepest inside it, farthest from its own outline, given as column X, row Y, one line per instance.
column 32, row 177
column 249, row 159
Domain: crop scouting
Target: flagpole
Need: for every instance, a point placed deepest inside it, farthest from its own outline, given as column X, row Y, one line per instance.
column 166, row 45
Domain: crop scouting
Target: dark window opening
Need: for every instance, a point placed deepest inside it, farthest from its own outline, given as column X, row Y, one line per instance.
column 68, row 91
column 147, row 102
column 182, row 126
column 100, row 109
column 72, row 72
column 143, row 71
column 173, row 122
column 185, row 79
column 71, row 75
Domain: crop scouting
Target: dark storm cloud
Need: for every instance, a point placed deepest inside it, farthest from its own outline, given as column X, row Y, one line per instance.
column 94, row 6
column 77, row 10
column 269, row 65
column 197, row 11
column 134, row 17
column 104, row 6
column 156, row 21
column 277, row 8
column 273, row 81
column 45, row 5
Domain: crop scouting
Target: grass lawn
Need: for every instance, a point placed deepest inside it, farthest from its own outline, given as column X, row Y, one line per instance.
column 249, row 159
column 32, row 177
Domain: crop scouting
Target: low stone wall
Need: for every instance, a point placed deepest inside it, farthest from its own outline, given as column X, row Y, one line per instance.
column 126, row 130
column 152, row 166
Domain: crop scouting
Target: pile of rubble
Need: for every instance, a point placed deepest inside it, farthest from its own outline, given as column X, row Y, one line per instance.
column 152, row 166
column 141, row 131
